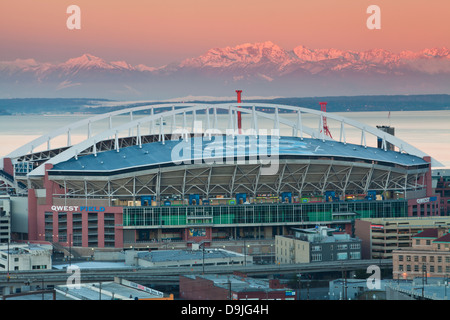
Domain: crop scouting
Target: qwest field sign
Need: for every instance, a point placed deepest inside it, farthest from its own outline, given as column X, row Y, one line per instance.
column 77, row 208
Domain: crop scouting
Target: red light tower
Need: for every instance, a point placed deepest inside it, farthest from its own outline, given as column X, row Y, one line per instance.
column 323, row 108
column 239, row 113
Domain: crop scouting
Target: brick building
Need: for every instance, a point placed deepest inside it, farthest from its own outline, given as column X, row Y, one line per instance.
column 232, row 287
column 429, row 256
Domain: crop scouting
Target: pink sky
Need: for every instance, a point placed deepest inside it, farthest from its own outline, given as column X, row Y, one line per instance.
column 156, row 32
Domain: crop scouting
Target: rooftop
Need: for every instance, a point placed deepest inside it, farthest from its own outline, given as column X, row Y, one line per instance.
column 238, row 283
column 444, row 238
column 25, row 248
column 322, row 234
column 428, row 233
column 218, row 147
column 119, row 289
column 179, row 255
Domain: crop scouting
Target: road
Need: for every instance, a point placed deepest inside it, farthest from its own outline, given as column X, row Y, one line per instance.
column 170, row 275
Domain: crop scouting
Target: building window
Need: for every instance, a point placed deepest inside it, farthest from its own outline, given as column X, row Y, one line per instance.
column 39, row 267
column 342, row 256
column 316, row 257
column 355, row 255
column 400, row 257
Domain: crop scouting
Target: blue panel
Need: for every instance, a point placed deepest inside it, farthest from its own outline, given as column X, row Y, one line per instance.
column 193, row 197
column 240, row 196
column 197, row 149
column 286, row 195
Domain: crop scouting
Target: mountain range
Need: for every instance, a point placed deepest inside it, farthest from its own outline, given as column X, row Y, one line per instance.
column 263, row 69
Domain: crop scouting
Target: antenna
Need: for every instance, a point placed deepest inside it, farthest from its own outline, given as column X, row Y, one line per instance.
column 239, row 113
column 323, row 108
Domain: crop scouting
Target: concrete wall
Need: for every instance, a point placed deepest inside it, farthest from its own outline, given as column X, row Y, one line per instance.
column 22, row 258
column 289, row 250
column 396, row 295
column 19, row 214
column 363, row 232
column 101, row 255
column 201, row 289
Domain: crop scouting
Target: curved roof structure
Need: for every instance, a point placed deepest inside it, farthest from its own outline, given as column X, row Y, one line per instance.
column 178, row 115
column 216, row 149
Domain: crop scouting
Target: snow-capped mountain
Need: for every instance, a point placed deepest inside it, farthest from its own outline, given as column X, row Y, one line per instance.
column 267, row 52
column 265, row 68
column 246, row 54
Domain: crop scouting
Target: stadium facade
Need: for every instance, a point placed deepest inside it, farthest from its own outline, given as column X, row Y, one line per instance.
column 175, row 172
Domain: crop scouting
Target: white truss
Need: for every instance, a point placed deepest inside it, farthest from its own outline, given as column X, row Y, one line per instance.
column 300, row 177
column 160, row 112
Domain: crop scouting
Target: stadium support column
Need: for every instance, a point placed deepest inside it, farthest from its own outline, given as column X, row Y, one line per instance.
column 101, row 229
column 8, row 166
column 428, row 179
column 32, row 215
column 51, row 187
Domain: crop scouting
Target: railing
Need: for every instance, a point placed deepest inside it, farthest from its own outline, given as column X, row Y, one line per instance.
column 10, row 179
column 214, row 240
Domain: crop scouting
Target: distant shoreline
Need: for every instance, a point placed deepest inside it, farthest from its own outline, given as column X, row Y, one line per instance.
column 363, row 103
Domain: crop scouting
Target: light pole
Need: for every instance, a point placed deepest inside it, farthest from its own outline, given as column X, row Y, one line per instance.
column 424, row 274
column 272, row 253
column 445, row 287
column 70, row 249
column 245, row 253
column 43, row 289
column 7, row 262
column 203, row 254
column 202, row 243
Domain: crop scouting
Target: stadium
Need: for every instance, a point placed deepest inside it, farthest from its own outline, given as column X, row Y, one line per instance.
column 206, row 172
